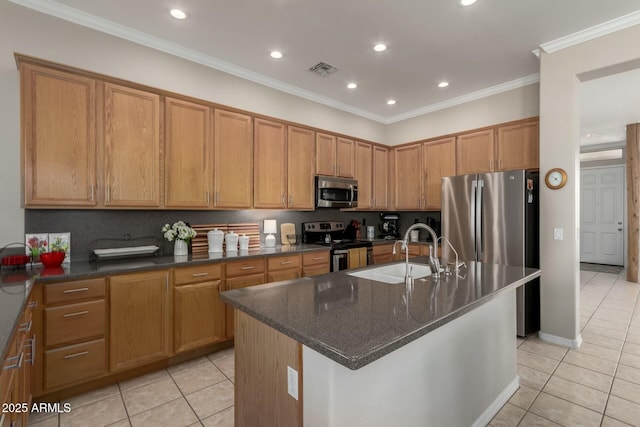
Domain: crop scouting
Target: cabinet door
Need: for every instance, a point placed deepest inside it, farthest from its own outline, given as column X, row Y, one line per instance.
column 364, row 163
column 475, row 152
column 517, row 146
column 439, row 160
column 408, row 182
column 199, row 315
column 139, row 327
column 380, row 178
column 131, row 147
column 345, row 158
column 301, row 148
column 237, row 283
column 276, row 276
column 325, row 154
column 269, row 183
column 233, row 160
column 187, row 164
column 59, row 137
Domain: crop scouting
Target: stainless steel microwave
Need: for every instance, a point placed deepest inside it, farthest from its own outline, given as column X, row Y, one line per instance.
column 336, row 192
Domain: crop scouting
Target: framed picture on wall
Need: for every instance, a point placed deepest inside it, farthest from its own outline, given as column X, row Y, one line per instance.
column 61, row 241
column 36, row 244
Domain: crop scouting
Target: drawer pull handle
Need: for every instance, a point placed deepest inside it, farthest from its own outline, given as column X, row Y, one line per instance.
column 317, row 258
column 77, row 313
column 32, row 304
column 18, row 364
column 285, row 262
column 249, row 267
column 32, row 354
column 25, row 327
column 200, row 274
column 70, row 291
column 71, row 356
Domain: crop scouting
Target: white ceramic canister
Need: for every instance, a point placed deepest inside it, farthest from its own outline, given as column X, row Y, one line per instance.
column 371, row 232
column 214, row 239
column 231, row 240
column 244, row 242
column 415, row 235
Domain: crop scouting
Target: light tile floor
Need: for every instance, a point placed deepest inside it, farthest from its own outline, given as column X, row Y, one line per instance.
column 595, row 385
column 195, row 393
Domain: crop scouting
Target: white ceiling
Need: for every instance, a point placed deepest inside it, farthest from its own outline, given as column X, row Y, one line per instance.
column 482, row 49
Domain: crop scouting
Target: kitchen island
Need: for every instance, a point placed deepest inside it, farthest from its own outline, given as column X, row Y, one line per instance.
column 355, row 351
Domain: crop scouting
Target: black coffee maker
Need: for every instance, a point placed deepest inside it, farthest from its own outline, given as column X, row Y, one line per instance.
column 389, row 228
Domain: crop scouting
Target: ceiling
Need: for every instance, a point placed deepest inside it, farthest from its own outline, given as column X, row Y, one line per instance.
column 481, row 49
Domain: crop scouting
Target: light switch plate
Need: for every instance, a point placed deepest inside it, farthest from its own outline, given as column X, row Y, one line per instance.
column 558, row 234
column 292, row 382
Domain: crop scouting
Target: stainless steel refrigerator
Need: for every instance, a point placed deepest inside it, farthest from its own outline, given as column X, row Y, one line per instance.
column 493, row 218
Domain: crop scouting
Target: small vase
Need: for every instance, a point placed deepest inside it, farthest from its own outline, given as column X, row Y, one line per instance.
column 180, row 247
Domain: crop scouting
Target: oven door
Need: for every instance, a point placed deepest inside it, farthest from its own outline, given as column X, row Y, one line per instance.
column 339, row 260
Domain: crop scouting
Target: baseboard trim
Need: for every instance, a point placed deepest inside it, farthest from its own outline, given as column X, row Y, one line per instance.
column 498, row 403
column 554, row 339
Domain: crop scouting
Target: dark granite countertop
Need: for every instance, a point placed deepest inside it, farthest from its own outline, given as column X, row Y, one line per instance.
column 15, row 285
column 355, row 321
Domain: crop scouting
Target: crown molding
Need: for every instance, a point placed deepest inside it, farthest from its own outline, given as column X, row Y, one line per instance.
column 591, row 33
column 70, row 14
column 473, row 96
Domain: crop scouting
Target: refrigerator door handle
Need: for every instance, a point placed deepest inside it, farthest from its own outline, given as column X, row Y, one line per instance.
column 474, row 190
column 478, row 225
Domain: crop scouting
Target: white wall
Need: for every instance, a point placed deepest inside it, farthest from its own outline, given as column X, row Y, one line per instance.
column 504, row 107
column 559, row 147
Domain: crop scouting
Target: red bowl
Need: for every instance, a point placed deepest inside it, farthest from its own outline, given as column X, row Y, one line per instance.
column 52, row 259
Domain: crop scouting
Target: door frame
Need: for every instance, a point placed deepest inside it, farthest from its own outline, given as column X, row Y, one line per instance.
column 625, row 224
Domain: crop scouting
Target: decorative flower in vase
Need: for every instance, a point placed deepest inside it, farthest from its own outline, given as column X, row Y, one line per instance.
column 182, row 234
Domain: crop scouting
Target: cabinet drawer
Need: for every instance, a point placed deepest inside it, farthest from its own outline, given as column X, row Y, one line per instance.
column 74, row 291
column 73, row 322
column 244, row 281
column 384, row 249
column 74, row 363
column 240, row 268
column 197, row 274
column 283, row 262
column 315, row 258
column 315, row 270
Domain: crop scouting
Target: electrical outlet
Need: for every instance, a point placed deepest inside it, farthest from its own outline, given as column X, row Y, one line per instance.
column 292, row 382
column 558, row 234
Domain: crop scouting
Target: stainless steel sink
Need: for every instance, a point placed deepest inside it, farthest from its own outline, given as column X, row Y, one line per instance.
column 393, row 273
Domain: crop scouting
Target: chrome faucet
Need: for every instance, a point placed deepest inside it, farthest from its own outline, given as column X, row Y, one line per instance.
column 434, row 264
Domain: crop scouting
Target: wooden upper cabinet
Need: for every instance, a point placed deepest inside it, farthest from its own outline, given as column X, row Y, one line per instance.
column 380, row 180
column 363, row 174
column 345, row 161
column 408, row 180
column 233, row 160
column 131, row 147
column 439, row 160
column 188, row 148
column 517, row 146
column 59, row 137
column 474, row 152
column 325, row 154
column 269, row 183
column 301, row 149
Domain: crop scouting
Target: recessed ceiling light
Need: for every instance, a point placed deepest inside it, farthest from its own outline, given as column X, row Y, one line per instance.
column 467, row 2
column 391, row 102
column 352, row 85
column 178, row 14
column 380, row 47
column 276, row 54
column 443, row 84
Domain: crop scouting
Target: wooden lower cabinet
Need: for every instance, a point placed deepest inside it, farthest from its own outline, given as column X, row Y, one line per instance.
column 241, row 274
column 316, row 263
column 198, row 311
column 283, row 268
column 383, row 253
column 71, row 364
column 140, row 317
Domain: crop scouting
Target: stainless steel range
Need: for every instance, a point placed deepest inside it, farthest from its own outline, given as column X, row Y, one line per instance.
column 335, row 235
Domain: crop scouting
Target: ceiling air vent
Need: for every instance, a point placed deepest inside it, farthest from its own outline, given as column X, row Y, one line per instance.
column 323, row 69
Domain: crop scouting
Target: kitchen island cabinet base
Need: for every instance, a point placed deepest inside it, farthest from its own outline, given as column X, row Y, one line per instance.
column 459, row 374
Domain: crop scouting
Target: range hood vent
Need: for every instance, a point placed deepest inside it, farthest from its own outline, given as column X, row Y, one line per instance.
column 323, row 69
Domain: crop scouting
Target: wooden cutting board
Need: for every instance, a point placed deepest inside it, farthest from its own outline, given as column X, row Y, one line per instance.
column 286, row 229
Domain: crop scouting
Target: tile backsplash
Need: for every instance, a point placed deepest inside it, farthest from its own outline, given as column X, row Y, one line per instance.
column 89, row 226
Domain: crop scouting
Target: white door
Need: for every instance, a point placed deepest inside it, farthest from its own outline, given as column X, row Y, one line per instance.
column 601, row 215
